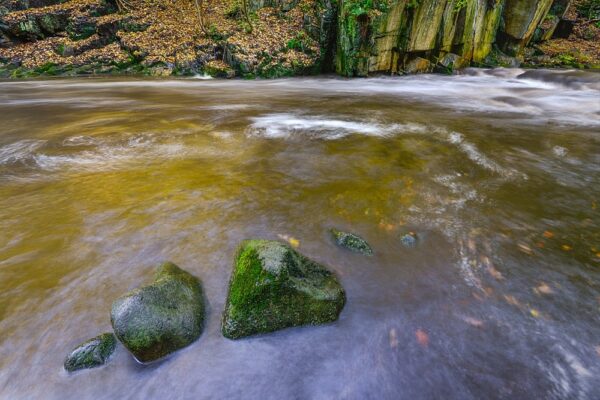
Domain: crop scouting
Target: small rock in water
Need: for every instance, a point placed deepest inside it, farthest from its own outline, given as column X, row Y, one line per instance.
column 156, row 320
column 351, row 242
column 274, row 287
column 92, row 353
column 409, row 239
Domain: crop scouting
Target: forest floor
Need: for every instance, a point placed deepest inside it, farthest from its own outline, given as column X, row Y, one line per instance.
column 580, row 49
column 163, row 37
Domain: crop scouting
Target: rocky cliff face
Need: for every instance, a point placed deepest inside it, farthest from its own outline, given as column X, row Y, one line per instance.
column 415, row 35
column 275, row 38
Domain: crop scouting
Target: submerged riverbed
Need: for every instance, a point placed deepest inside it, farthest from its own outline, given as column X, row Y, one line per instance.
column 498, row 173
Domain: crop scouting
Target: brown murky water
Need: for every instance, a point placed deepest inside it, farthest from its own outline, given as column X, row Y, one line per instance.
column 497, row 171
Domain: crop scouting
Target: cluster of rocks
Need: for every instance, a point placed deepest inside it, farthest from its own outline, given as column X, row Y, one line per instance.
column 272, row 287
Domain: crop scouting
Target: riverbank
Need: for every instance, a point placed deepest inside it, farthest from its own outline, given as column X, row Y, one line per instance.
column 271, row 39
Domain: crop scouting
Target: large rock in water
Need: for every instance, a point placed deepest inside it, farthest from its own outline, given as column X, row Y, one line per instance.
column 158, row 319
column 274, row 287
column 92, row 353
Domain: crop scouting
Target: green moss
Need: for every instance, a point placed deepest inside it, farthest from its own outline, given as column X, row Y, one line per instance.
column 460, row 4
column 274, row 287
column 351, row 242
column 81, row 31
column 356, row 24
column 92, row 353
column 158, row 319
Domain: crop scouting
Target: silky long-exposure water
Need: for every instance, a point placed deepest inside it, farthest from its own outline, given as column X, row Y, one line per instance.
column 498, row 173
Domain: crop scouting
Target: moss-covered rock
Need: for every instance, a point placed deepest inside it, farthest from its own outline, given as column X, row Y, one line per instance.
column 274, row 287
column 92, row 353
column 351, row 242
column 219, row 69
column 158, row 319
column 418, row 65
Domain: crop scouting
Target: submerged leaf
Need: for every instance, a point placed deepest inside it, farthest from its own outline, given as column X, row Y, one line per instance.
column 422, row 337
column 393, row 338
column 473, row 321
column 534, row 313
column 543, row 288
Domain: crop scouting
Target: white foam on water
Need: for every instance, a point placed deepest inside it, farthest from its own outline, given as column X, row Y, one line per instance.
column 475, row 155
column 559, row 151
column 80, row 140
column 203, row 77
column 284, row 125
column 19, row 151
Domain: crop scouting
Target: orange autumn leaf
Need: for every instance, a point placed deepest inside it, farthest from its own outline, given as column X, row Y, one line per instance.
column 548, row 235
column 386, row 226
column 495, row 273
column 422, row 337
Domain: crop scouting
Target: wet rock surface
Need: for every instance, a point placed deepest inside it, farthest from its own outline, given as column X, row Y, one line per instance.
column 274, row 287
column 156, row 320
column 351, row 242
column 91, row 353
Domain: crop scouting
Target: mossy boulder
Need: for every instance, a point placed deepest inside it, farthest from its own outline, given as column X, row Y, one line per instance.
column 274, row 287
column 92, row 353
column 351, row 242
column 156, row 320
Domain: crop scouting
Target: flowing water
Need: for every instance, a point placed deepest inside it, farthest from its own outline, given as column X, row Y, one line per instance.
column 498, row 173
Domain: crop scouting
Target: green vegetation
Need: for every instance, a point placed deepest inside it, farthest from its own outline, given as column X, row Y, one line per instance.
column 460, row 4
column 412, row 4
column 589, row 9
column 274, row 287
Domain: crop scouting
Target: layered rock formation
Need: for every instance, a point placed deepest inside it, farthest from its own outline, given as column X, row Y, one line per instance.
column 379, row 36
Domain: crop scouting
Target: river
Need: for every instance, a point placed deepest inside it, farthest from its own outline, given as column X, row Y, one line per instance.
column 497, row 172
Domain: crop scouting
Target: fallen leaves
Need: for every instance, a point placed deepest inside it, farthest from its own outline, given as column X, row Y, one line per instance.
column 171, row 35
column 548, row 234
column 534, row 313
column 566, row 247
column 525, row 248
column 512, row 300
column 386, row 226
column 393, row 336
column 422, row 337
column 295, row 243
column 543, row 288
